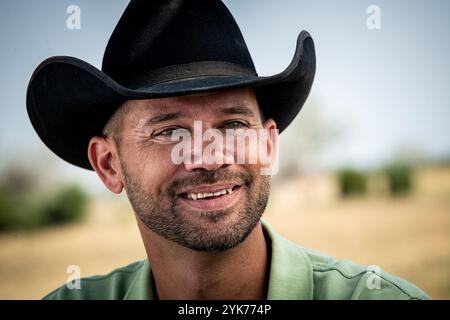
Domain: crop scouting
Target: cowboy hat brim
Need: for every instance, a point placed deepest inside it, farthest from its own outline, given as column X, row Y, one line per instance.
column 69, row 100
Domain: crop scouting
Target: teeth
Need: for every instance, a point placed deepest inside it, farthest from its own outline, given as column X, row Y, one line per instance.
column 195, row 196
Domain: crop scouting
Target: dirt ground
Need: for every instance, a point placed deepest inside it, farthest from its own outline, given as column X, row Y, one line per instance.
column 409, row 237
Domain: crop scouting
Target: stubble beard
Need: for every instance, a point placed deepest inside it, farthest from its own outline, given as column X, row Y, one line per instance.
column 161, row 214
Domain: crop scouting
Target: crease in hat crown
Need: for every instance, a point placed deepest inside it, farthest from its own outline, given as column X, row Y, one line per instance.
column 155, row 38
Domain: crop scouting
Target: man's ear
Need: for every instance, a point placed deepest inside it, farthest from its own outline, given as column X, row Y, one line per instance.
column 103, row 158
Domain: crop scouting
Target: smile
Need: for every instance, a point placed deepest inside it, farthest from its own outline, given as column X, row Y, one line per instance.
column 208, row 195
column 211, row 198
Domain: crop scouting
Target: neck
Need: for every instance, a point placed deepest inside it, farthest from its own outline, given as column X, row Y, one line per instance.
column 185, row 274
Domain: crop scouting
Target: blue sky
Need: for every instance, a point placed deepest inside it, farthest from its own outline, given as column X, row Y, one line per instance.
column 388, row 88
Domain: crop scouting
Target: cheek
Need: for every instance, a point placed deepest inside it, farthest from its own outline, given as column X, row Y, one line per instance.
column 251, row 171
column 153, row 168
column 253, row 152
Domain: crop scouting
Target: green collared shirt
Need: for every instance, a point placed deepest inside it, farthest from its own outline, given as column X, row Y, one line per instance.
column 295, row 273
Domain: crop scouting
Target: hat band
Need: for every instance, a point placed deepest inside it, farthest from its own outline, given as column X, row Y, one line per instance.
column 188, row 70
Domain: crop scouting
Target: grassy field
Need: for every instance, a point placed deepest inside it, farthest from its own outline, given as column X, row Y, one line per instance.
column 409, row 237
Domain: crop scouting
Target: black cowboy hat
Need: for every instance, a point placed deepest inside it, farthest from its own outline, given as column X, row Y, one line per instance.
column 159, row 48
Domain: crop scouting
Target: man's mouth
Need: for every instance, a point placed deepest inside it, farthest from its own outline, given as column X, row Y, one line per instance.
column 211, row 197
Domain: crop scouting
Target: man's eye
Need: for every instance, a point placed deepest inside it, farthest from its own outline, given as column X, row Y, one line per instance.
column 235, row 125
column 169, row 132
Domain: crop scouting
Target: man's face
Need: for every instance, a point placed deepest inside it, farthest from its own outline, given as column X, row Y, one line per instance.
column 205, row 207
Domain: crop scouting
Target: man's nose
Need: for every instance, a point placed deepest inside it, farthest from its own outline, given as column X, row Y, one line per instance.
column 201, row 161
column 203, row 166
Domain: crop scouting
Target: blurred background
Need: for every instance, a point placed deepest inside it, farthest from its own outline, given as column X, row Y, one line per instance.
column 364, row 169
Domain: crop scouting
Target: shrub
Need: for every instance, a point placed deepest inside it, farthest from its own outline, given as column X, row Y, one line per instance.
column 67, row 205
column 352, row 182
column 7, row 212
column 399, row 179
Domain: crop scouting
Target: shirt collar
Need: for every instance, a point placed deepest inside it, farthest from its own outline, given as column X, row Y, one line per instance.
column 141, row 287
column 291, row 276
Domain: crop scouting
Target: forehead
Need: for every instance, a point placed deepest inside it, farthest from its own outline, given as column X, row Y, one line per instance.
column 211, row 103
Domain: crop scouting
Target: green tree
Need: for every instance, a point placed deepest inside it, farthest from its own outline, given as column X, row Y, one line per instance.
column 352, row 182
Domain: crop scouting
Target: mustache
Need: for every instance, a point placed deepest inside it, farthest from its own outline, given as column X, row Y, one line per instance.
column 208, row 177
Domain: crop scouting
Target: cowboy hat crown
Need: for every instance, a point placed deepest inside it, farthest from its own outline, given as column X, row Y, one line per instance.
column 160, row 41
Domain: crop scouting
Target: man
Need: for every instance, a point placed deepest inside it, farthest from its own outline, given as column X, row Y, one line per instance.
column 175, row 72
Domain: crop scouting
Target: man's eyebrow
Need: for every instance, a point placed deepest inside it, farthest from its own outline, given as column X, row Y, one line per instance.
column 243, row 110
column 163, row 117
